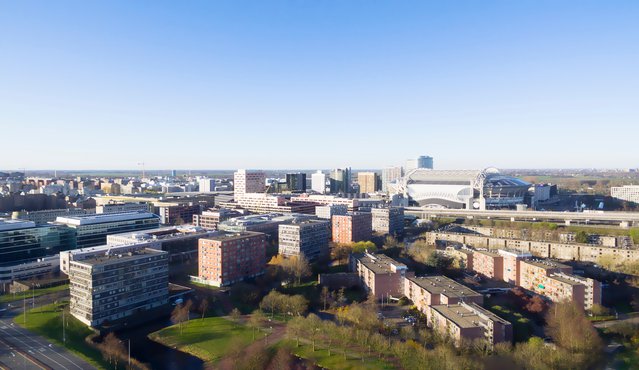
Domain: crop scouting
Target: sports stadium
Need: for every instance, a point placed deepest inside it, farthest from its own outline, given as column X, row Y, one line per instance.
column 461, row 189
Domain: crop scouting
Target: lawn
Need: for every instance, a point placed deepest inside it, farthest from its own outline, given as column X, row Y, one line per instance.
column 30, row 293
column 209, row 338
column 336, row 360
column 47, row 321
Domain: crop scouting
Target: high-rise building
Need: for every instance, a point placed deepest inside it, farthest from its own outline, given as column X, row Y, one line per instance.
column 340, row 181
column 419, row 162
column 248, row 182
column 178, row 214
column 225, row 259
column 388, row 220
column 389, row 175
column 308, row 238
column 173, row 173
column 296, row 182
column 369, row 182
column 318, row 182
column 352, row 228
column 113, row 286
column 327, row 212
column 206, row 185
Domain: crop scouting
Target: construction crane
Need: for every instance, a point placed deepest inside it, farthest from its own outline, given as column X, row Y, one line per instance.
column 143, row 170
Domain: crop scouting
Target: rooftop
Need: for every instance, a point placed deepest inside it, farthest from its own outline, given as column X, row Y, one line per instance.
column 104, row 218
column 565, row 279
column 467, row 315
column 545, row 264
column 488, row 253
column 379, row 263
column 442, row 285
column 128, row 256
column 231, row 236
column 9, row 225
column 169, row 232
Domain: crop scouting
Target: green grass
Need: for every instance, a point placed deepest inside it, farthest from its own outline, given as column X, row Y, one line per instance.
column 336, row 360
column 209, row 338
column 47, row 321
column 30, row 293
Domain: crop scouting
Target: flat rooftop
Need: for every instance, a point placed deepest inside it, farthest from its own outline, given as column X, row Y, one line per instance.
column 104, row 218
column 128, row 256
column 161, row 233
column 440, row 284
column 545, row 264
column 231, row 236
column 467, row 315
column 9, row 225
column 379, row 263
column 488, row 253
column 565, row 279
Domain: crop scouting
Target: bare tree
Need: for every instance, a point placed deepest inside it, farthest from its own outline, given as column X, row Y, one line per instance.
column 179, row 315
column 204, row 306
column 236, row 315
column 325, row 294
column 256, row 321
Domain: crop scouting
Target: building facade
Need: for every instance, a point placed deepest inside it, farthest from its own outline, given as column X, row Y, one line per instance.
column 352, row 228
column 435, row 290
column 296, row 182
column 327, row 212
column 206, row 185
column 308, row 238
column 340, row 181
column 178, row 214
column 388, row 220
column 488, row 264
column 369, row 182
column 419, row 162
column 248, row 182
column 380, row 275
column 629, row 193
column 211, row 218
column 318, row 182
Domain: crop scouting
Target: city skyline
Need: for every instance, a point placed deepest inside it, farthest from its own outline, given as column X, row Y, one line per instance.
column 318, row 84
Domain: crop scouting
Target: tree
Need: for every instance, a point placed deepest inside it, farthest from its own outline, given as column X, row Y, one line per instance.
column 113, row 348
column 295, row 327
column 236, row 315
column 179, row 315
column 570, row 329
column 438, row 261
column 363, row 246
column 256, row 320
column 271, row 302
column 204, row 306
column 325, row 295
column 340, row 252
column 297, row 267
column 581, row 237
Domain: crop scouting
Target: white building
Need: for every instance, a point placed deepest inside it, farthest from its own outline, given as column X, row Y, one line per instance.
column 248, row 182
column 419, row 162
column 206, row 185
column 318, row 182
column 389, row 175
column 629, row 193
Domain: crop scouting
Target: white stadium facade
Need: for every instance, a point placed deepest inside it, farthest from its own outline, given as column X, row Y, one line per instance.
column 461, row 189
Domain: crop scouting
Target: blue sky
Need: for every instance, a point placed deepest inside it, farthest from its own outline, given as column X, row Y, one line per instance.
column 318, row 84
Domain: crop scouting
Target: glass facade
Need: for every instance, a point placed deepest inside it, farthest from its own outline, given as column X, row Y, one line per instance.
column 23, row 245
column 96, row 234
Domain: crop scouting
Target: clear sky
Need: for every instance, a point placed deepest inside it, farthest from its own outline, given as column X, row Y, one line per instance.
column 318, row 83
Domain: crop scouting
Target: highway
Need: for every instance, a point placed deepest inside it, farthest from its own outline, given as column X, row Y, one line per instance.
column 588, row 217
column 22, row 349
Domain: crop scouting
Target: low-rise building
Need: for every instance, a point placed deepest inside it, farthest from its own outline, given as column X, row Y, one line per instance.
column 327, row 212
column 267, row 223
column 265, row 203
column 119, row 207
column 81, row 254
column 308, row 238
column 466, row 323
column 511, row 264
column 379, row 274
column 488, row 264
column 228, row 258
column 178, row 214
column 111, row 287
column 388, row 220
column 49, row 215
column 434, row 290
column 211, row 218
column 352, row 228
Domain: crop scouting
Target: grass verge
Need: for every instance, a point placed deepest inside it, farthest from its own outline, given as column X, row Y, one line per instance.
column 30, row 293
column 336, row 360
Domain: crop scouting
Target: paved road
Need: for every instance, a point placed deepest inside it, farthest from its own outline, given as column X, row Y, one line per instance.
column 22, row 349
column 623, row 319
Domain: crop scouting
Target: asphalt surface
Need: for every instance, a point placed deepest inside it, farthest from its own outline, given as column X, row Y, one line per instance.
column 22, row 349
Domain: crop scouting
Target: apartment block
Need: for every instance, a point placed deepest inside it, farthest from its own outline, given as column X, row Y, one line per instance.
column 327, row 212
column 228, row 258
column 352, row 228
column 488, row 264
column 388, row 220
column 511, row 263
column 308, row 238
column 114, row 286
column 466, row 323
column 248, row 182
column 379, row 274
column 591, row 289
column 369, row 182
column 435, row 290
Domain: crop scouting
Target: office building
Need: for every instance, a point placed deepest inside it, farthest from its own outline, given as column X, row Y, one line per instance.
column 318, row 182
column 117, row 207
column 327, row 212
column 49, row 215
column 388, row 220
column 351, row 228
column 266, row 223
column 379, row 274
column 248, row 182
column 209, row 219
column 296, row 182
column 112, row 287
column 390, row 175
column 340, row 181
column 353, row 204
column 178, row 214
column 369, row 182
column 225, row 259
column 81, row 254
column 206, row 185
column 629, row 193
column 266, row 203
column 419, row 162
column 466, row 323
column 308, row 238
column 435, row 290
column 92, row 230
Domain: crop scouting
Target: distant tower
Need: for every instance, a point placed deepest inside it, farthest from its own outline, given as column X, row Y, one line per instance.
column 419, row 162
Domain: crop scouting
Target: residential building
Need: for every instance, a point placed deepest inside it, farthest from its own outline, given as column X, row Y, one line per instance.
column 340, row 181
column 266, row 223
column 206, row 185
column 327, row 212
column 435, row 290
column 248, row 182
column 466, row 323
column 489, row 264
column 296, row 182
column 419, row 162
column 369, row 182
column 209, row 219
column 92, row 230
column 178, row 214
column 112, row 287
column 225, row 259
column 308, row 238
column 379, row 274
column 629, row 193
column 388, row 220
column 351, row 228
column 318, row 182
column 511, row 264
column 390, row 175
